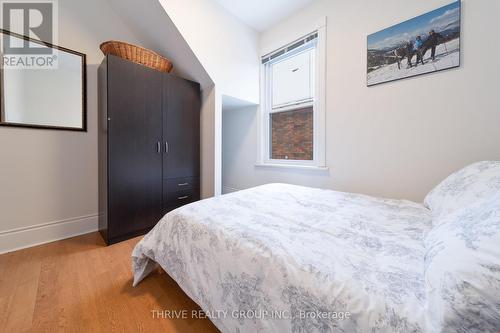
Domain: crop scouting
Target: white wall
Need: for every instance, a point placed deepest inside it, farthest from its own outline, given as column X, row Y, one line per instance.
column 227, row 48
column 239, row 133
column 397, row 139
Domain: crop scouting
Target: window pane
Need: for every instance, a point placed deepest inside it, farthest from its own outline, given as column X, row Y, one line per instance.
column 293, row 79
column 292, row 134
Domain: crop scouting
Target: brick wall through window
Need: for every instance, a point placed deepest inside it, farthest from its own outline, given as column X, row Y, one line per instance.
column 292, row 134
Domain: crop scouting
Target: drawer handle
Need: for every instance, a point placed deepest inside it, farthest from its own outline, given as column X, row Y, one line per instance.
column 184, row 197
column 183, row 184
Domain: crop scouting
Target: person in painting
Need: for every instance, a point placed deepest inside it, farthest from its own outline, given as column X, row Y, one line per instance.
column 409, row 52
column 433, row 40
column 405, row 51
column 418, row 50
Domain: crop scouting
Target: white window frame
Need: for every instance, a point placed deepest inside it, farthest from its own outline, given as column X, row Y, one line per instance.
column 318, row 103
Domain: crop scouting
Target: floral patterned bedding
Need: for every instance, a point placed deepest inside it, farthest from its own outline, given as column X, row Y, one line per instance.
column 285, row 258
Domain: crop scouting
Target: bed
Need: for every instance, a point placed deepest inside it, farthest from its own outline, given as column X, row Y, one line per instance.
column 285, row 258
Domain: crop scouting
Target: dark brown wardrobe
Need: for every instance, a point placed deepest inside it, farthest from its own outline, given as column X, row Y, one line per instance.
column 149, row 146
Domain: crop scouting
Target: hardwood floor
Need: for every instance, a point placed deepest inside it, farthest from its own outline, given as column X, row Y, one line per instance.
column 80, row 285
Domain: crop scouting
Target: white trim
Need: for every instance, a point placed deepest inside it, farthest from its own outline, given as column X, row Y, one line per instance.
column 292, row 106
column 217, row 142
column 20, row 238
column 280, row 53
column 292, row 166
column 320, row 102
column 260, row 146
column 319, row 119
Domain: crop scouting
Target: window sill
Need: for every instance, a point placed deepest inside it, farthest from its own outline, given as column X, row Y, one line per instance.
column 292, row 166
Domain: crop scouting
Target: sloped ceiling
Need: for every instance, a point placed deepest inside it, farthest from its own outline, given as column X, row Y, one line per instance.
column 153, row 27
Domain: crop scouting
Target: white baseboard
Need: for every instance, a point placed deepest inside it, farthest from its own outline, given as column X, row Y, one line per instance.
column 228, row 189
column 20, row 238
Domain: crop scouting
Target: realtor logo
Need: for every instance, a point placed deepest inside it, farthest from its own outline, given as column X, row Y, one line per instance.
column 34, row 20
column 28, row 29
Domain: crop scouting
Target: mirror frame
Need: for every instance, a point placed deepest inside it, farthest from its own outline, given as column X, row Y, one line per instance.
column 84, row 86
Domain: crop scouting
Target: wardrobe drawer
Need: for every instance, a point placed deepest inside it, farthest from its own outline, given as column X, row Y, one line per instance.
column 180, row 191
column 184, row 183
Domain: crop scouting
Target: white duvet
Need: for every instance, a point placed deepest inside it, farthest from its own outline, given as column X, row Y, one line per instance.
column 284, row 258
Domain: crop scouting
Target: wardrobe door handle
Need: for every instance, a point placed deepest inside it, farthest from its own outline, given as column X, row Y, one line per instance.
column 184, row 197
column 183, row 184
column 158, row 147
column 166, row 147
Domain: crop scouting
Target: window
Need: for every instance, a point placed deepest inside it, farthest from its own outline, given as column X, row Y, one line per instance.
column 292, row 108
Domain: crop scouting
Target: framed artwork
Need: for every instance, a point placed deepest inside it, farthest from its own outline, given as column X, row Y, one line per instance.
column 424, row 44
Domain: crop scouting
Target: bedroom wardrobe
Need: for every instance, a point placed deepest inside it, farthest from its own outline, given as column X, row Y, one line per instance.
column 149, row 146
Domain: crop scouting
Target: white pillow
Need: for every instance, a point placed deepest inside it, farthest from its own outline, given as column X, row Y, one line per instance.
column 463, row 188
column 462, row 270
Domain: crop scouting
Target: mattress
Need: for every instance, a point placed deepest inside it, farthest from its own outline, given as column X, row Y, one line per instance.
column 285, row 258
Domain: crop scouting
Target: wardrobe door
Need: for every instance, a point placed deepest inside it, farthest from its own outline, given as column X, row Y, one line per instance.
column 181, row 127
column 134, row 148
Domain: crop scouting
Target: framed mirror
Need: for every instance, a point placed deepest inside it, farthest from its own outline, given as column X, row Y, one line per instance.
column 44, row 88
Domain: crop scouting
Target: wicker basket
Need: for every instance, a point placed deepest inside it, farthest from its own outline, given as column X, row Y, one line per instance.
column 137, row 54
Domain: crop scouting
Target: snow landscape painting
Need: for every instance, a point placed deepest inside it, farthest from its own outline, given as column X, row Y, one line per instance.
column 427, row 43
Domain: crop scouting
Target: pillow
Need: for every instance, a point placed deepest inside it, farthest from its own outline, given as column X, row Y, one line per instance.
column 462, row 270
column 463, row 188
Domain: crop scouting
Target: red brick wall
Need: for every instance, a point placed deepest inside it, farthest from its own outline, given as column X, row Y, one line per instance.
column 292, row 134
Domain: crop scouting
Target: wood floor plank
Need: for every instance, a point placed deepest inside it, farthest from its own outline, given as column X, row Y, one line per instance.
column 25, row 269
column 8, row 270
column 81, row 285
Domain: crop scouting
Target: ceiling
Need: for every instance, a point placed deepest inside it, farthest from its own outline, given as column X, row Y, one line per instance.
column 262, row 14
column 230, row 103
